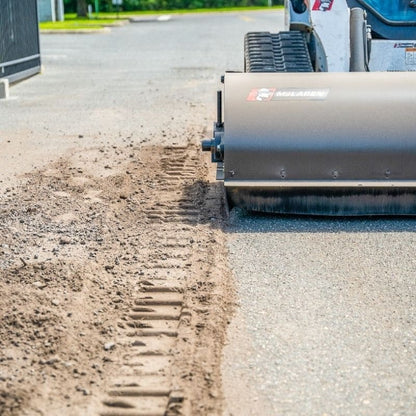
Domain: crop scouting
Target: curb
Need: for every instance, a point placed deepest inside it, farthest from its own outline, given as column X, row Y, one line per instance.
column 107, row 27
column 163, row 18
column 118, row 23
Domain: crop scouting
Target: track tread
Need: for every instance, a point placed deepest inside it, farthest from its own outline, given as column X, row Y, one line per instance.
column 276, row 52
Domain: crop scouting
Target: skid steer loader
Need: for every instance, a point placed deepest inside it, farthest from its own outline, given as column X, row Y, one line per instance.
column 323, row 119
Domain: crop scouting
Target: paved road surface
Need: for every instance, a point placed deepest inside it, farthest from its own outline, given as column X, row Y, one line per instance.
column 326, row 324
column 154, row 80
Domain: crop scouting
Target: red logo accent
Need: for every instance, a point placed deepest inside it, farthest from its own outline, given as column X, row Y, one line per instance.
column 261, row 94
column 323, row 5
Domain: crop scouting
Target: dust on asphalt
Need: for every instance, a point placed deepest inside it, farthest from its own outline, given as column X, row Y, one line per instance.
column 76, row 240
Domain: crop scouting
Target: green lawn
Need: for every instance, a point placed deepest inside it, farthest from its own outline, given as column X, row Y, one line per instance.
column 73, row 23
column 105, row 19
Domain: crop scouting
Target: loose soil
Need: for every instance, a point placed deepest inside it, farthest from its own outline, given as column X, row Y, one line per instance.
column 81, row 241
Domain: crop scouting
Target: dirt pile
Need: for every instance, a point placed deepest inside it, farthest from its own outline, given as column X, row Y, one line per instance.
column 79, row 243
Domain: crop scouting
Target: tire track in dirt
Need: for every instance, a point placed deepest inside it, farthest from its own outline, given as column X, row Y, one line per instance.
column 117, row 289
column 165, row 310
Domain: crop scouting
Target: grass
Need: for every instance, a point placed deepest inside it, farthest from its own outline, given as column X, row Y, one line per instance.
column 72, row 22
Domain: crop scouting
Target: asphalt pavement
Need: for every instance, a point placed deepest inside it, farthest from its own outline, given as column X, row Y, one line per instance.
column 151, row 81
column 326, row 322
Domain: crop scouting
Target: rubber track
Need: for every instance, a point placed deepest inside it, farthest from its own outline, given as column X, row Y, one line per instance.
column 276, row 52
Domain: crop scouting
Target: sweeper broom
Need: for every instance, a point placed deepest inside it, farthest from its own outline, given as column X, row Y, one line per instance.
column 323, row 119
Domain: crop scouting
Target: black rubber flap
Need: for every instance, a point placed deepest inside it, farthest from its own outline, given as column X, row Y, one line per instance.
column 325, row 201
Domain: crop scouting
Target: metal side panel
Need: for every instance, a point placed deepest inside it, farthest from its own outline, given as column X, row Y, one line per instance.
column 331, row 21
column 393, row 55
column 320, row 126
column 19, row 76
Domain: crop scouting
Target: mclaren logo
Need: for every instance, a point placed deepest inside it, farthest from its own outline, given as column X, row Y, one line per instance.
column 275, row 94
column 261, row 94
column 300, row 94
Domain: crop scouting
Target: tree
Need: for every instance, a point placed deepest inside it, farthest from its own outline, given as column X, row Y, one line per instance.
column 82, row 8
